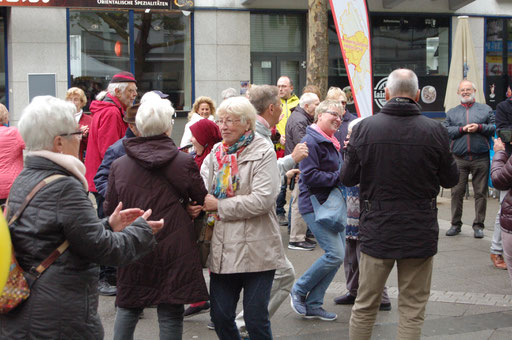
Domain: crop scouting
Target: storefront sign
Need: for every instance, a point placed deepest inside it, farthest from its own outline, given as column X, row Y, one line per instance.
column 132, row 4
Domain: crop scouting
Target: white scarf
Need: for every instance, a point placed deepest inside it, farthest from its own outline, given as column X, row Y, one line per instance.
column 78, row 115
column 68, row 162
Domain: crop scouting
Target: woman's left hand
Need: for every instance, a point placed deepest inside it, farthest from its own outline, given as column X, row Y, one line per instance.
column 120, row 219
column 210, row 203
column 498, row 145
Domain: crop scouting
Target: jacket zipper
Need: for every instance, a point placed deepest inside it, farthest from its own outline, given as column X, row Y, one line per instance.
column 467, row 136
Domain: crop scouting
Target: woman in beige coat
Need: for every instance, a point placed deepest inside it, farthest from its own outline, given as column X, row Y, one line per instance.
column 246, row 244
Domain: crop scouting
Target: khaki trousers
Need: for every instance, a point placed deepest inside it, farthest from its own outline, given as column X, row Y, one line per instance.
column 298, row 227
column 414, row 278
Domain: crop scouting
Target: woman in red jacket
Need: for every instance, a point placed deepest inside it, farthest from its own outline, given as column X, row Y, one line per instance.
column 11, row 149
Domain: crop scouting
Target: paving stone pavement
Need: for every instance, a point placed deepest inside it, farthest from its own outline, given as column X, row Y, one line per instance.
column 469, row 300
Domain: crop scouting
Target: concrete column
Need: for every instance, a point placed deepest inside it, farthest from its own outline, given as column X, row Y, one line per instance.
column 37, row 43
column 222, row 51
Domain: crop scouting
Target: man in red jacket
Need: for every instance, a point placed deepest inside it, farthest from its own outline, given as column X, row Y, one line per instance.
column 106, row 128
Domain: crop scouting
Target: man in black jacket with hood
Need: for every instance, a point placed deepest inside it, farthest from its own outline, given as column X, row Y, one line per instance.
column 400, row 158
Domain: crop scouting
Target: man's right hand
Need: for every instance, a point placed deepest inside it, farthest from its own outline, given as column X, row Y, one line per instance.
column 300, row 152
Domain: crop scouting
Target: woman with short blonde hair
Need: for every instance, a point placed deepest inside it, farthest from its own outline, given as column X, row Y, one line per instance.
column 203, row 108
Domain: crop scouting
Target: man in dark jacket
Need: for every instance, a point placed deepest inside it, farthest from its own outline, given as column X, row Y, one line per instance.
column 470, row 125
column 399, row 157
column 302, row 117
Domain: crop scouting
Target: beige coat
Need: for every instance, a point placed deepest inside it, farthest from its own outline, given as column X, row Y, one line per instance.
column 247, row 237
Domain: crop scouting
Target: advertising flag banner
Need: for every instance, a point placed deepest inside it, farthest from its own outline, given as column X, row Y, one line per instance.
column 353, row 28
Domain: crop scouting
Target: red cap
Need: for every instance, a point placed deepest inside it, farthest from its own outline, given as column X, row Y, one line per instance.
column 123, row 77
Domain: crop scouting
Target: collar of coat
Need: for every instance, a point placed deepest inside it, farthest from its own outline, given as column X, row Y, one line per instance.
column 253, row 152
column 401, row 106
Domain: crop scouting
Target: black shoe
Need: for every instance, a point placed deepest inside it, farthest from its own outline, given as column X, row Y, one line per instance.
column 190, row 311
column 310, row 241
column 105, row 289
column 385, row 306
column 282, row 220
column 478, row 232
column 454, row 230
column 300, row 246
column 347, row 299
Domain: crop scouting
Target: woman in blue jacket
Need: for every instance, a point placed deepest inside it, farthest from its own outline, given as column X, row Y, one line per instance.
column 319, row 174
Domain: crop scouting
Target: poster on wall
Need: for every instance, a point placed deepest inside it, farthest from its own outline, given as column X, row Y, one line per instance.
column 132, row 4
column 353, row 29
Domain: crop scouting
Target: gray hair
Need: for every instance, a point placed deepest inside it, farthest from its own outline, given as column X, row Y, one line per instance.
column 402, row 82
column 467, row 81
column 354, row 123
column 154, row 117
column 149, row 96
column 45, row 118
column 228, row 93
column 261, row 96
column 289, row 80
column 111, row 89
column 326, row 105
column 307, row 98
column 239, row 107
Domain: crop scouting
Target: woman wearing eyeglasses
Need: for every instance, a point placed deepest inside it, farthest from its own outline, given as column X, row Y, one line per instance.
column 63, row 301
column 319, row 174
column 246, row 246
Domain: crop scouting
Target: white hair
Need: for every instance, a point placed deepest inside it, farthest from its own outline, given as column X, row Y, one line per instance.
column 401, row 82
column 228, row 93
column 239, row 107
column 111, row 89
column 149, row 96
column 154, row 117
column 45, row 118
column 101, row 95
column 354, row 123
column 307, row 98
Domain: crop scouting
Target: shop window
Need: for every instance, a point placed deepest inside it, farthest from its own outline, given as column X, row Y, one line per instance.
column 100, row 48
column 414, row 42
column 498, row 60
column 278, row 45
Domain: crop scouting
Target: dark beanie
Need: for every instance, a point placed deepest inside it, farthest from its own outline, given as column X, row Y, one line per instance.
column 123, row 77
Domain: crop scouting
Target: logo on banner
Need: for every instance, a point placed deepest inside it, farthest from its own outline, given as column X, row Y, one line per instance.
column 379, row 95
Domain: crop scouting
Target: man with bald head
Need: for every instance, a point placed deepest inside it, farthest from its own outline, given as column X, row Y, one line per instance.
column 470, row 126
column 399, row 158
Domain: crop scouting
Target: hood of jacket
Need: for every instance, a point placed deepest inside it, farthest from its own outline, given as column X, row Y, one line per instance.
column 107, row 102
column 151, row 152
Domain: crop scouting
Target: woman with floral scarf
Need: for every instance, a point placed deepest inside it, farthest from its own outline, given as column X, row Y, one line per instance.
column 246, row 246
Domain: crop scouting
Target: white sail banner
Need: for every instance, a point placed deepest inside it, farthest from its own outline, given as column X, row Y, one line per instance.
column 353, row 28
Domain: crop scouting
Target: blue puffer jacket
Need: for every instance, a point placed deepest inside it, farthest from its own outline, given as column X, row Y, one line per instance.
column 468, row 145
column 114, row 152
column 319, row 172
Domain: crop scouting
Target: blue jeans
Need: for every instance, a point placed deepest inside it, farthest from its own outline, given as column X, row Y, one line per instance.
column 224, row 294
column 170, row 321
column 314, row 282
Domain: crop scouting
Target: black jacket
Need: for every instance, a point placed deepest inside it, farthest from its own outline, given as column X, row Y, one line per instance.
column 399, row 158
column 63, row 302
column 296, row 128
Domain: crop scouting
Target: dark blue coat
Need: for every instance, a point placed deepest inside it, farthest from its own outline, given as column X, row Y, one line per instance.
column 319, row 172
column 114, row 152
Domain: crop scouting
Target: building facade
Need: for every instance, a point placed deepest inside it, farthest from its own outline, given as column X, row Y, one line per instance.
column 216, row 44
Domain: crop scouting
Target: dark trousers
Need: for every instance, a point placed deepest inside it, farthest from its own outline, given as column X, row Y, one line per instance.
column 224, row 295
column 479, row 170
column 281, row 200
column 106, row 272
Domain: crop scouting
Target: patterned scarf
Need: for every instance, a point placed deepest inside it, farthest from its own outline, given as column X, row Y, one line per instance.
column 227, row 178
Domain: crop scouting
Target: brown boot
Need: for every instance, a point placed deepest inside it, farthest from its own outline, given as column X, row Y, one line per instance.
column 498, row 262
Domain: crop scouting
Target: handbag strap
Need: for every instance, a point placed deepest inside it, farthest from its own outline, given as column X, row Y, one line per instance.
column 37, row 271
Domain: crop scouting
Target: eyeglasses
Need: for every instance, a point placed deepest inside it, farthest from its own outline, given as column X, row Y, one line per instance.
column 79, row 133
column 334, row 113
column 344, row 103
column 228, row 122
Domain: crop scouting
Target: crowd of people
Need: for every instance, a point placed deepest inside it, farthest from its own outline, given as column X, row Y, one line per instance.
column 233, row 168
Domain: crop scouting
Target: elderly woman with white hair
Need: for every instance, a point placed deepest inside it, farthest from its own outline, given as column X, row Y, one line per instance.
column 246, row 246
column 63, row 301
column 154, row 173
